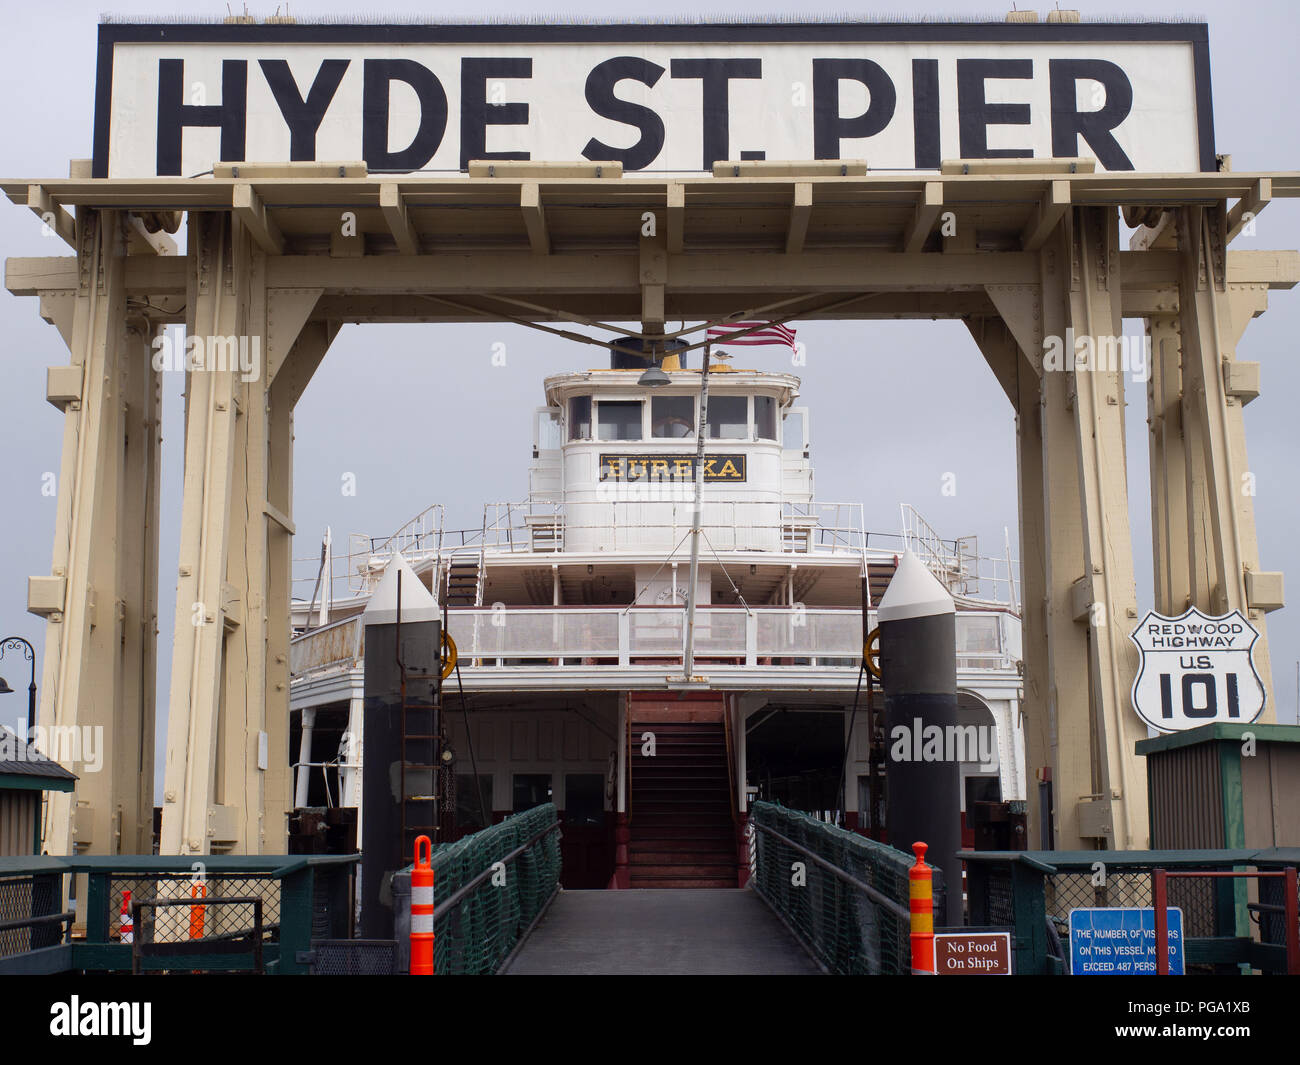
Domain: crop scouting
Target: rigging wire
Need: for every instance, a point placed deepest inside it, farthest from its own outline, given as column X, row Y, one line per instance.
column 848, row 740
column 464, row 710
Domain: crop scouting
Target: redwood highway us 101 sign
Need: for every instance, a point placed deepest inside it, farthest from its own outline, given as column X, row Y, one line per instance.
column 1196, row 669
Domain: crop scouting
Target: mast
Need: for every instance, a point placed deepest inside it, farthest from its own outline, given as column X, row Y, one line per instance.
column 697, row 519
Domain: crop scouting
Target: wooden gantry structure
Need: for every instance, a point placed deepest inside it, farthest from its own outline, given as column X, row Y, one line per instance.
column 1021, row 251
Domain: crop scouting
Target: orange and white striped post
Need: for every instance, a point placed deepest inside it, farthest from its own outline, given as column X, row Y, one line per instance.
column 422, row 910
column 125, row 922
column 920, row 897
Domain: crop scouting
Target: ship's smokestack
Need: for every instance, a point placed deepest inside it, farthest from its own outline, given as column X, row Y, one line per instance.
column 640, row 354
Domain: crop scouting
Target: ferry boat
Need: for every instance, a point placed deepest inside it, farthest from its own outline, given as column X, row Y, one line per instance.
column 568, row 611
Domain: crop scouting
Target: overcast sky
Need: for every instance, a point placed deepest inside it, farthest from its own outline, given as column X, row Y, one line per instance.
column 419, row 414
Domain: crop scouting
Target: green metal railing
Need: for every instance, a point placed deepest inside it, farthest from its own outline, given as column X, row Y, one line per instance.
column 301, row 898
column 843, row 895
column 1034, row 891
column 490, row 888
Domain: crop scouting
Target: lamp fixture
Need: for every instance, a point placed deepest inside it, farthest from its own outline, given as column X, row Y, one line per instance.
column 654, row 377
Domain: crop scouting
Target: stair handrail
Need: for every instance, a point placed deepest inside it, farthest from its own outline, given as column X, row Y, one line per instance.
column 731, row 772
column 627, row 772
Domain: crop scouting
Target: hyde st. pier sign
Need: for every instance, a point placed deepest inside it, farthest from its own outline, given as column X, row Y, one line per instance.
column 173, row 99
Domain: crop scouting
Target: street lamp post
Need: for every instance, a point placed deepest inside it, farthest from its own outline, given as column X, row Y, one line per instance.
column 12, row 643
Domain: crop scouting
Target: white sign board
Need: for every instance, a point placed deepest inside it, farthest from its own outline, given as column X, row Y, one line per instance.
column 174, row 99
column 1196, row 669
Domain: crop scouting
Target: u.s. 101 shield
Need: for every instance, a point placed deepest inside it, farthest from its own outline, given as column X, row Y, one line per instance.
column 1196, row 668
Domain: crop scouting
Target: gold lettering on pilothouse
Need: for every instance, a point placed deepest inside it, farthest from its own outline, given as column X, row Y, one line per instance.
column 631, row 468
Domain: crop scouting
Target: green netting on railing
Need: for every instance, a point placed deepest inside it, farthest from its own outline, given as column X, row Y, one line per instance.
column 848, row 930
column 474, row 937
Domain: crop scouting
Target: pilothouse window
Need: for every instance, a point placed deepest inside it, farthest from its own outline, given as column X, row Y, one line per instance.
column 764, row 418
column 618, row 419
column 728, row 418
column 672, row 417
column 580, row 418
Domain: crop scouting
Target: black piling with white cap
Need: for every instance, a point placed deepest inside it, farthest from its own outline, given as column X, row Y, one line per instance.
column 403, row 636
column 918, row 666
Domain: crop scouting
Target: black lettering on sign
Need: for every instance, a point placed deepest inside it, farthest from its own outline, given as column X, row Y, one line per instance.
column 174, row 114
column 377, row 78
column 476, row 114
column 303, row 117
column 715, row 76
column 1069, row 123
column 828, row 127
column 975, row 114
column 1209, row 684
column 601, row 99
column 925, row 113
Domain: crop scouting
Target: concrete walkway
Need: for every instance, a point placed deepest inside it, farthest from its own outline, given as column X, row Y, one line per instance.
column 670, row 932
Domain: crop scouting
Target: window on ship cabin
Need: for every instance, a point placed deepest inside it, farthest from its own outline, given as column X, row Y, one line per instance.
column 764, row 418
column 672, row 417
column 618, row 419
column 580, row 418
column 531, row 789
column 473, row 800
column 584, row 799
column 728, row 418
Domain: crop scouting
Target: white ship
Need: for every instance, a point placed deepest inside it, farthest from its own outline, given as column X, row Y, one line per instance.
column 569, row 613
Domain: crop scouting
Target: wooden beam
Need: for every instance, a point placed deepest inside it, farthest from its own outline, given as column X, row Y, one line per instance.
column 978, row 193
column 251, row 211
column 140, row 240
column 1055, row 202
column 280, row 518
column 1149, row 278
column 52, row 215
column 1158, row 269
column 924, row 217
column 1260, row 197
column 800, row 211
column 676, row 218
column 35, row 275
column 398, row 219
column 627, row 306
column 530, row 202
column 735, row 271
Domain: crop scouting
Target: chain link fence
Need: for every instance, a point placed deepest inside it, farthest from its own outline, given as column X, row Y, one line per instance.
column 1120, row 888
column 23, row 898
column 173, row 924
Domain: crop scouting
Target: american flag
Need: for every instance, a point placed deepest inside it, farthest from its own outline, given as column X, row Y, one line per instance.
column 764, row 333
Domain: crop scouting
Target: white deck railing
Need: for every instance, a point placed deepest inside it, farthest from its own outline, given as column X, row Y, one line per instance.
column 650, row 526
column 626, row 525
column 614, row 637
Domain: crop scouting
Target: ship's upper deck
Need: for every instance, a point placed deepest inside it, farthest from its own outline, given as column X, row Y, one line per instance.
column 588, row 576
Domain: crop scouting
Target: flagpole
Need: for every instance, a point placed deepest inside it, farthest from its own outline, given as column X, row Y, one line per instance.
column 697, row 519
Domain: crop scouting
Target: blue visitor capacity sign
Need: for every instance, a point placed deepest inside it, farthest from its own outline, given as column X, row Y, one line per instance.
column 1121, row 941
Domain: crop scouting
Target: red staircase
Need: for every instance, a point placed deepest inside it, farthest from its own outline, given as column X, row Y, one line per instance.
column 682, row 832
